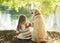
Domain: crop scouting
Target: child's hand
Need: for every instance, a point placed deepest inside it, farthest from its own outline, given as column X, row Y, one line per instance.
column 17, row 32
column 27, row 25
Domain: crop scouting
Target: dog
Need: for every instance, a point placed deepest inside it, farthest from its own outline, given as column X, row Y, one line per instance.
column 38, row 33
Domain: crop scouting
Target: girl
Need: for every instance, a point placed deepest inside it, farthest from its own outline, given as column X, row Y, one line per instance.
column 23, row 27
column 22, row 19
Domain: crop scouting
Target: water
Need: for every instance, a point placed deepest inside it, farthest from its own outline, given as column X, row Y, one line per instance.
column 52, row 22
column 49, row 22
column 6, row 23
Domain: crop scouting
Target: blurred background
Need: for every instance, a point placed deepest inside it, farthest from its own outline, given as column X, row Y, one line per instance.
column 10, row 10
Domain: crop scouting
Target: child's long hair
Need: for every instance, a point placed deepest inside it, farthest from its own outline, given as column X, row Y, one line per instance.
column 22, row 19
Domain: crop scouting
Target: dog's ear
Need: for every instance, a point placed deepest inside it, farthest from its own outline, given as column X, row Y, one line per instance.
column 37, row 12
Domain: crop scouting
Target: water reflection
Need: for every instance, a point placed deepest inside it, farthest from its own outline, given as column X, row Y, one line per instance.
column 52, row 22
column 6, row 23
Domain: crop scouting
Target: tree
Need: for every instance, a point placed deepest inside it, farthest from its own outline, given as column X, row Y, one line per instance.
column 45, row 6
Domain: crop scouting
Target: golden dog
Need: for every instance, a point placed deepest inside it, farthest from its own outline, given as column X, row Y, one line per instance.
column 38, row 33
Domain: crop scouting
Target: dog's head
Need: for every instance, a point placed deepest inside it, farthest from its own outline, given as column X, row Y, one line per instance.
column 35, row 11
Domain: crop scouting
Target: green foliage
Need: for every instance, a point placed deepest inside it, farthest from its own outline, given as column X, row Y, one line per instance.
column 45, row 6
column 3, row 8
column 22, row 10
column 1, row 2
column 48, row 6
